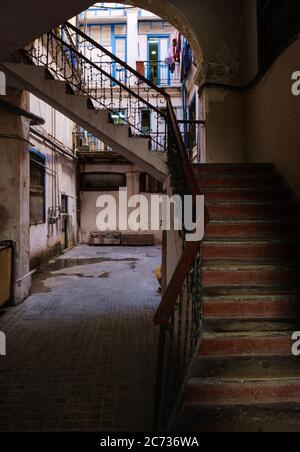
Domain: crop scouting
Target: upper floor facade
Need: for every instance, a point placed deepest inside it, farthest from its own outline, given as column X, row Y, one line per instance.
column 146, row 42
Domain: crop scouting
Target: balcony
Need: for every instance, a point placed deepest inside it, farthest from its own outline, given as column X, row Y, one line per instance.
column 160, row 73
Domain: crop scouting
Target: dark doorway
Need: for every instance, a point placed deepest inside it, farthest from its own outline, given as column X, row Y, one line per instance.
column 65, row 219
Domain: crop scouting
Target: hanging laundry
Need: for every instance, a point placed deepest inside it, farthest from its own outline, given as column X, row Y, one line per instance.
column 177, row 54
column 170, row 60
column 187, row 58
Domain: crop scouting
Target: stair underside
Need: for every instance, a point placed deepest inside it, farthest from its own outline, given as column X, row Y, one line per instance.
column 79, row 109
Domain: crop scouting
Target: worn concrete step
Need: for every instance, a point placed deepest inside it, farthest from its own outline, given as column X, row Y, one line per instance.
column 218, row 211
column 244, row 324
column 279, row 418
column 233, row 168
column 275, row 343
column 240, row 274
column 247, row 249
column 255, row 306
column 234, row 181
column 284, row 228
column 243, row 369
column 251, row 290
column 244, row 194
column 201, row 392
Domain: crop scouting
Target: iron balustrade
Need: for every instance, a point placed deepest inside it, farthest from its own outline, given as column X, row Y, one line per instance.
column 192, row 134
column 160, row 73
column 110, row 84
column 178, row 340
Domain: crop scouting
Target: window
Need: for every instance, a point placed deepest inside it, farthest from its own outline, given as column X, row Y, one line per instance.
column 37, row 188
column 146, row 121
column 148, row 27
column 278, row 24
column 118, row 117
column 149, row 185
column 102, row 181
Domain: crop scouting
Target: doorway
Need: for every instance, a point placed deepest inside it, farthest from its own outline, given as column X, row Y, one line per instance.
column 65, row 219
column 158, row 72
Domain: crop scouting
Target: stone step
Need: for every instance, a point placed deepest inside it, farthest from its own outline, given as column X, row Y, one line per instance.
column 252, row 229
column 247, row 306
column 255, row 343
column 218, row 211
column 243, row 369
column 233, row 168
column 258, row 418
column 231, row 273
column 252, row 290
column 244, row 324
column 242, row 195
column 251, row 249
column 234, row 181
column 205, row 392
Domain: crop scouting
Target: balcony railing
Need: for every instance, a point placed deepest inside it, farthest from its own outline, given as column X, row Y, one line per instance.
column 193, row 137
column 160, row 73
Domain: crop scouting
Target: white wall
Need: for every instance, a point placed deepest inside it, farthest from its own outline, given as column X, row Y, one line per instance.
column 88, row 199
column 48, row 239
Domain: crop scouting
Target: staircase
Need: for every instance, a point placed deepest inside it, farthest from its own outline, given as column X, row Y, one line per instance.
column 228, row 313
column 244, row 377
column 61, row 70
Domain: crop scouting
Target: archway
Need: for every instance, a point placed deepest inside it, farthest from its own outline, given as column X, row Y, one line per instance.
column 175, row 16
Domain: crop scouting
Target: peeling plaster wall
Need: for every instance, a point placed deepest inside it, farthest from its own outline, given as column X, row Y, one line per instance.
column 14, row 190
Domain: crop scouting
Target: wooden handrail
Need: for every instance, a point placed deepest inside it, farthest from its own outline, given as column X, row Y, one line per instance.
column 174, row 288
column 189, row 175
column 170, row 297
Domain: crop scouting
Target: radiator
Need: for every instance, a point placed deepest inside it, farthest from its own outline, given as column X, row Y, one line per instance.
column 5, row 273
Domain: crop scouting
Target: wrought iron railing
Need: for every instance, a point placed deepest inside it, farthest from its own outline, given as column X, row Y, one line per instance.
column 192, row 133
column 179, row 337
column 179, row 314
column 160, row 73
column 111, row 84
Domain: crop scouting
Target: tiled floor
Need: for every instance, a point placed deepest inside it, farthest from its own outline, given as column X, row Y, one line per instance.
column 81, row 350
